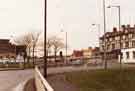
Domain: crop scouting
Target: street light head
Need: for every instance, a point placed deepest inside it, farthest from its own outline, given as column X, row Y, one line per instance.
column 93, row 24
column 117, row 6
column 61, row 30
column 109, row 7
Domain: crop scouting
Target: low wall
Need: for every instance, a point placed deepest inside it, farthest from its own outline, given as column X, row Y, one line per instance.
column 41, row 83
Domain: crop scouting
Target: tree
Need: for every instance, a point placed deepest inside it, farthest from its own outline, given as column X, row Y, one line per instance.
column 35, row 37
column 29, row 40
column 49, row 45
column 54, row 44
column 57, row 44
column 25, row 40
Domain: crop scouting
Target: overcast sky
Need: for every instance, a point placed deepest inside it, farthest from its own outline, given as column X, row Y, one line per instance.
column 19, row 16
column 73, row 16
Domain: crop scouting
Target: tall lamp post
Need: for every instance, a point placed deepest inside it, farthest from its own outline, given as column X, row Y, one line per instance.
column 66, row 45
column 119, row 15
column 45, row 30
column 12, row 40
column 98, row 26
column 104, row 16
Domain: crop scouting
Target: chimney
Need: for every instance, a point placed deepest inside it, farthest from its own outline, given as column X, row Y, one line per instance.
column 114, row 29
column 123, row 27
column 134, row 25
column 128, row 26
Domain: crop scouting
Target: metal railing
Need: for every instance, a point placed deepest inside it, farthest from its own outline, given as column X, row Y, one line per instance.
column 40, row 82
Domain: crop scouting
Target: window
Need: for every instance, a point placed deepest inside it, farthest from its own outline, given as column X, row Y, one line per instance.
column 113, row 38
column 118, row 47
column 108, row 47
column 121, row 45
column 127, row 44
column 130, row 35
column 102, row 47
column 121, row 56
column 124, row 37
column 113, row 46
column 127, row 54
column 117, row 38
column 133, row 43
column 110, row 39
column 133, row 35
column 133, row 54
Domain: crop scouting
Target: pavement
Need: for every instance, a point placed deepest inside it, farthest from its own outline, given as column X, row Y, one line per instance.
column 9, row 80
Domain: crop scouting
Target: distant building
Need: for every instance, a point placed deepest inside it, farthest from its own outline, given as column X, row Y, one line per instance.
column 127, row 37
column 87, row 52
column 96, row 52
column 77, row 53
column 9, row 50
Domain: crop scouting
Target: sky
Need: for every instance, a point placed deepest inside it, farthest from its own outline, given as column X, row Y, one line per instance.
column 77, row 16
column 73, row 16
column 20, row 16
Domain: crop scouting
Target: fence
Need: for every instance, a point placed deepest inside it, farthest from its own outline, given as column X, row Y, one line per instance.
column 41, row 83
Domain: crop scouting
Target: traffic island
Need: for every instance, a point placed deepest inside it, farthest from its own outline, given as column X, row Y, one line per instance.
column 30, row 85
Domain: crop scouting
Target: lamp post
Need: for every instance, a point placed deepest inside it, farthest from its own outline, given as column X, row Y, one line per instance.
column 12, row 40
column 104, row 11
column 33, row 53
column 98, row 26
column 45, row 30
column 119, row 15
column 66, row 45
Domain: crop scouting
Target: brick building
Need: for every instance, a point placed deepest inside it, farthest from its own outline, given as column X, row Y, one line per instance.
column 125, row 36
column 9, row 50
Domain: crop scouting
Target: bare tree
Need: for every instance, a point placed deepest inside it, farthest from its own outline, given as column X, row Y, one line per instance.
column 25, row 40
column 35, row 37
column 54, row 44
column 57, row 44
column 49, row 45
column 29, row 40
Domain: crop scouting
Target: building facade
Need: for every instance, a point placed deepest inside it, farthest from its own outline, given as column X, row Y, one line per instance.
column 119, row 41
column 87, row 53
column 9, row 50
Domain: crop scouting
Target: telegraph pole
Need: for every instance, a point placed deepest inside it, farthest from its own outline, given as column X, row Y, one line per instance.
column 45, row 33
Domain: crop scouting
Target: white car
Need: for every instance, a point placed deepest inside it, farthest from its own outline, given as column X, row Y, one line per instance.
column 77, row 62
column 94, row 62
column 5, row 60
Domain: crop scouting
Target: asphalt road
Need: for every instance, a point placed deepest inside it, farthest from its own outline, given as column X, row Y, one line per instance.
column 11, row 79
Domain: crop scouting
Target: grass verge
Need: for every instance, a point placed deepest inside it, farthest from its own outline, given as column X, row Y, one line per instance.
column 103, row 80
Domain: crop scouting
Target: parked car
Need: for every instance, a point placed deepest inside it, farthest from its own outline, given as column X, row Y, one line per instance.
column 94, row 62
column 5, row 60
column 77, row 62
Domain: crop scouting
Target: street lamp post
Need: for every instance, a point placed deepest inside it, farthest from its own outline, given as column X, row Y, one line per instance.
column 66, row 45
column 45, row 30
column 104, row 11
column 119, row 15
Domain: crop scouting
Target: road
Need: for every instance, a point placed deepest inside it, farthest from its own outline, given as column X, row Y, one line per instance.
column 11, row 79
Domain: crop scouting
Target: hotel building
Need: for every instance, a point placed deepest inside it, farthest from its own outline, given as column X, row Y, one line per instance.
column 113, row 40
